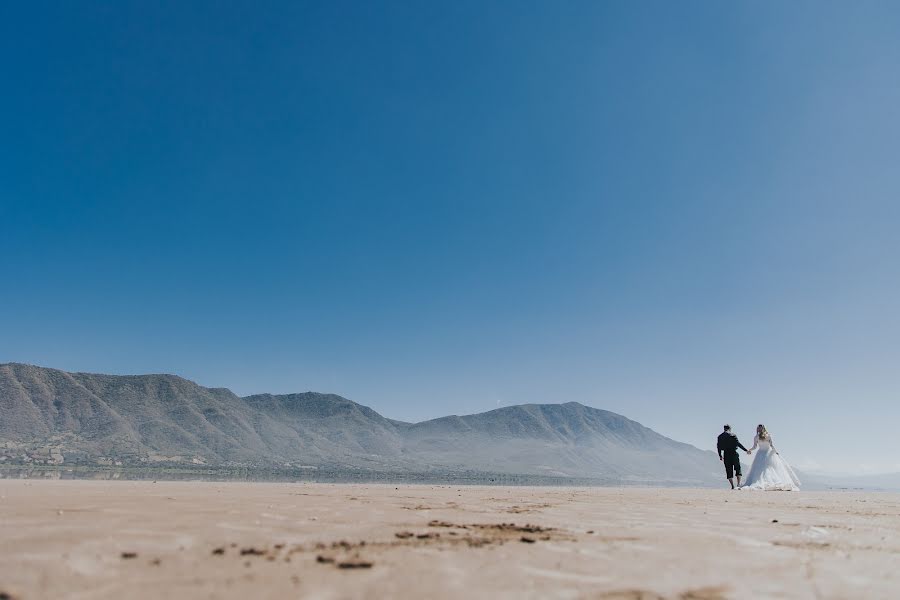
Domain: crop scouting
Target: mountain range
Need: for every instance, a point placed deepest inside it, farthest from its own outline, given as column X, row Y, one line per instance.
column 48, row 416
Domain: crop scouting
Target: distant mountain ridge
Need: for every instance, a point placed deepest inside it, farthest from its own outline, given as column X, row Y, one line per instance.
column 55, row 417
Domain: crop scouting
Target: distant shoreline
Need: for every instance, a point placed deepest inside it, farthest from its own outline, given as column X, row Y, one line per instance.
column 314, row 476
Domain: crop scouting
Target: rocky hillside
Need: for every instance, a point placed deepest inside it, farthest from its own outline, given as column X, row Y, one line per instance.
column 54, row 417
column 559, row 439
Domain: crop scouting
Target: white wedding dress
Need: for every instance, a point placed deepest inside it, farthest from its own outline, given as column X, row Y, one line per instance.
column 769, row 471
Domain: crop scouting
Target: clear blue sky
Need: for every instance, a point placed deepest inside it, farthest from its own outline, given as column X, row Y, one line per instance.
column 686, row 213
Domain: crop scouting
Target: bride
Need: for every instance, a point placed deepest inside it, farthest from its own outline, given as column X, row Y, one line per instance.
column 769, row 471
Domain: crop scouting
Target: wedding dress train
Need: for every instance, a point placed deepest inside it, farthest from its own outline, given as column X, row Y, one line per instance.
column 769, row 471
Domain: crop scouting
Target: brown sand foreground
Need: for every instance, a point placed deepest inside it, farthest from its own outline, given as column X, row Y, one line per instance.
column 122, row 539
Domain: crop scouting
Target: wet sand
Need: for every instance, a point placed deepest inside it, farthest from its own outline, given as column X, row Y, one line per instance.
column 119, row 539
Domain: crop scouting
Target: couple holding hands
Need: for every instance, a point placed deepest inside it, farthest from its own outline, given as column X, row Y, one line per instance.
column 769, row 471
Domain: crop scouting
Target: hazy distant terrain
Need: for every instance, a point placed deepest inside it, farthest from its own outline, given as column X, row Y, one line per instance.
column 883, row 482
column 54, row 417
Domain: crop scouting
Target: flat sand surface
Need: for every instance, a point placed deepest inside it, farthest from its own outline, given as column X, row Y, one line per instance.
column 123, row 539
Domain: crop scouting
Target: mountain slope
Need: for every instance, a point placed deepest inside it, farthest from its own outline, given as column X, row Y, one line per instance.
column 50, row 416
column 145, row 419
column 325, row 428
column 558, row 439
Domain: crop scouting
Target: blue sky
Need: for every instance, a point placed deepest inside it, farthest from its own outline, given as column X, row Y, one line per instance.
column 686, row 213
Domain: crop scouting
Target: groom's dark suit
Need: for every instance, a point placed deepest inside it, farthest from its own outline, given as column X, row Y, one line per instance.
column 727, row 446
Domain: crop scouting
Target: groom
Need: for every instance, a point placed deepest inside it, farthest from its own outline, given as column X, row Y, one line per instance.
column 728, row 444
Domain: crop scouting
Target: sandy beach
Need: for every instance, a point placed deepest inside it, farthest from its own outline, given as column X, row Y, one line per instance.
column 122, row 539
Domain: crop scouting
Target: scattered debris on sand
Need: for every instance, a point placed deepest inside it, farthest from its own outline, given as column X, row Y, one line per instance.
column 354, row 564
column 344, row 554
column 436, row 523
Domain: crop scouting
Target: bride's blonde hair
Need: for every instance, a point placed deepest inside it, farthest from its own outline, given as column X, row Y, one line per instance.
column 762, row 432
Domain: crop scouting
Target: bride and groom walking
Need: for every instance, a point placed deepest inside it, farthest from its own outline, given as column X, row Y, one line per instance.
column 768, row 472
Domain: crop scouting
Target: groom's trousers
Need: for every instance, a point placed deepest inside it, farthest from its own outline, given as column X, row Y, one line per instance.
column 732, row 462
